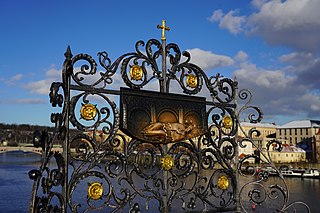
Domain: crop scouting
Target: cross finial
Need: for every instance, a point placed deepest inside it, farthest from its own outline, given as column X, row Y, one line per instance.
column 164, row 28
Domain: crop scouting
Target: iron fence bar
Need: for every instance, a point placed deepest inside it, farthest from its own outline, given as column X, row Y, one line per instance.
column 86, row 88
column 219, row 105
column 164, row 89
column 163, row 81
column 164, row 68
column 66, row 78
column 236, row 112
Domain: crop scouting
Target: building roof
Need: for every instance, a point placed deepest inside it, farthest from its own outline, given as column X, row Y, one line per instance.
column 288, row 148
column 301, row 124
column 261, row 125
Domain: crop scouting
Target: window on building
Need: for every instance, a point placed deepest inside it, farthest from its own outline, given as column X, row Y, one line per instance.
column 295, row 131
column 286, row 155
column 307, row 132
column 296, row 139
column 300, row 131
column 285, row 131
column 290, row 132
column 279, row 131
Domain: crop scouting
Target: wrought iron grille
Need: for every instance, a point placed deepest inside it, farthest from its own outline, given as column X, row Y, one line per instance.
column 101, row 168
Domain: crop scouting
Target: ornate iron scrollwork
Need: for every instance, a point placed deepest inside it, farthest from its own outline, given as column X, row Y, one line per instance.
column 102, row 168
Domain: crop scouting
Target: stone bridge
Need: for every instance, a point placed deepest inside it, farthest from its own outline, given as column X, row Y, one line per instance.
column 26, row 149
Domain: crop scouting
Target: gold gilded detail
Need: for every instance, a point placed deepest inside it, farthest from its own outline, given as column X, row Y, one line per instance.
column 136, row 72
column 88, row 111
column 167, row 162
column 167, row 132
column 223, row 182
column 192, row 81
column 95, row 190
column 227, row 122
column 164, row 28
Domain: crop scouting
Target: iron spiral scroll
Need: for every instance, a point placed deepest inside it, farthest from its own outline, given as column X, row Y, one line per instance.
column 102, row 168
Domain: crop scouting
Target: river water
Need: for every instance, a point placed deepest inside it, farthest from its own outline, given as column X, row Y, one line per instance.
column 15, row 185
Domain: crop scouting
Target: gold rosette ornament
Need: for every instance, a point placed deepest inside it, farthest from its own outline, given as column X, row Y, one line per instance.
column 88, row 111
column 223, row 182
column 167, row 162
column 227, row 122
column 192, row 81
column 136, row 72
column 95, row 190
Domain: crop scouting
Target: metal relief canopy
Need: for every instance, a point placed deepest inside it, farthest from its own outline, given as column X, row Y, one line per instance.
column 162, row 117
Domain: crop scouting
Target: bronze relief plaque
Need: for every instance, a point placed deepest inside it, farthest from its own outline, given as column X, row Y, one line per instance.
column 161, row 117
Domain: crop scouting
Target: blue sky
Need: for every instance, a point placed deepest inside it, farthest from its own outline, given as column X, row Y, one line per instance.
column 272, row 47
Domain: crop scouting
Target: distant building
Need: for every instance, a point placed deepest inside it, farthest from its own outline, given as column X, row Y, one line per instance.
column 291, row 152
column 267, row 132
column 288, row 154
column 304, row 134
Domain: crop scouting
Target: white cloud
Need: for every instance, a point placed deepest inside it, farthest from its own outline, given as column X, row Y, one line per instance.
column 13, row 80
column 207, row 60
column 39, row 87
column 299, row 62
column 228, row 21
column 241, row 56
column 280, row 93
column 42, row 87
column 269, row 79
column 312, row 102
column 293, row 89
column 17, row 77
column 232, row 23
column 53, row 73
column 216, row 15
column 315, row 107
column 258, row 3
column 293, row 23
column 297, row 58
column 305, row 66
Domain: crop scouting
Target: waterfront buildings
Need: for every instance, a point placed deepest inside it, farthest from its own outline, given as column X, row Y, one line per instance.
column 300, row 139
column 288, row 154
column 304, row 134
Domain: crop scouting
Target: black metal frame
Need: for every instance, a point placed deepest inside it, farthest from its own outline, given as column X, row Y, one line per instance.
column 130, row 170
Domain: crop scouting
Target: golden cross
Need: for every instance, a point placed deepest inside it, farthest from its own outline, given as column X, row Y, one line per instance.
column 164, row 28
